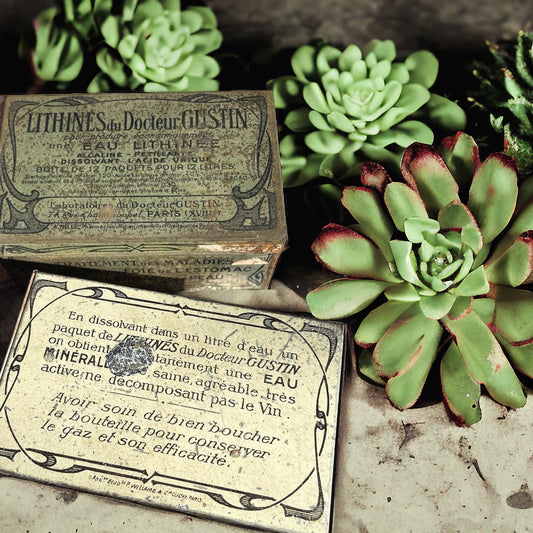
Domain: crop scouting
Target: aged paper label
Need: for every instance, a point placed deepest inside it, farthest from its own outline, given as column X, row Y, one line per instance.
column 163, row 168
column 193, row 406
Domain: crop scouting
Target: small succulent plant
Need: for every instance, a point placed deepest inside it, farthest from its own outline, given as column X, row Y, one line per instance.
column 103, row 45
column 344, row 107
column 440, row 255
column 506, row 93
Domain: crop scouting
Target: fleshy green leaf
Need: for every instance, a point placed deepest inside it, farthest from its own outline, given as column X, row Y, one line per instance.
column 461, row 155
column 404, row 134
column 366, row 366
column 493, row 195
column 343, row 297
column 402, row 203
column 515, row 265
column 457, row 215
column 315, row 98
column 366, row 208
column 436, row 306
column 375, row 176
column 513, row 316
column 461, row 307
column 404, row 388
column 347, row 252
column 485, row 360
column 461, row 393
column 413, row 97
column 416, row 227
column 298, row 119
column 424, row 169
column 521, row 356
column 402, row 292
column 304, row 64
column 378, row 321
column 325, row 142
column 474, row 284
column 401, row 344
column 287, row 92
column 401, row 250
column 445, row 114
column 423, row 68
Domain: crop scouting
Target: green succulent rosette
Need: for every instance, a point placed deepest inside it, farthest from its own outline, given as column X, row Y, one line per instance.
column 344, row 107
column 439, row 263
column 148, row 45
column 506, row 93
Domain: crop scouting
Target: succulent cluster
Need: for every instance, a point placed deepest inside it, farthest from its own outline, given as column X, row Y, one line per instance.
column 506, row 93
column 439, row 256
column 149, row 45
column 344, row 107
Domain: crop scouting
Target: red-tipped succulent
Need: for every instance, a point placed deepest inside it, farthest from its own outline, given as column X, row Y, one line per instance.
column 439, row 255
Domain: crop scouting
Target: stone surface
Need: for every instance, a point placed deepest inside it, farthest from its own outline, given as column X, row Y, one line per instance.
column 410, row 471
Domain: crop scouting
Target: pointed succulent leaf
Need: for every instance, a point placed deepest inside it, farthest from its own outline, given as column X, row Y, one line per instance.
column 456, row 215
column 461, row 394
column 484, row 359
column 416, row 228
column 366, row 367
column 342, row 298
column 402, row 292
column 461, row 307
column 345, row 251
column 403, row 203
column 365, row 206
column 425, row 171
column 461, row 155
column 404, row 388
column 484, row 308
column 402, row 252
column 513, row 314
column 521, row 356
column 400, row 345
column 515, row 265
column 379, row 320
column 493, row 195
column 474, row 284
column 522, row 223
column 436, row 306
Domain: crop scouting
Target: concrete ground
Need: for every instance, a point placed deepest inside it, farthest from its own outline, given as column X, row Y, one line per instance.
column 409, row 471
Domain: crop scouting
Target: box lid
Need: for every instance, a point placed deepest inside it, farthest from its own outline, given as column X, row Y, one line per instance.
column 141, row 169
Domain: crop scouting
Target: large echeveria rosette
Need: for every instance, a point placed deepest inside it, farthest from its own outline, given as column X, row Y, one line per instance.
column 149, row 45
column 505, row 93
column 439, row 256
column 344, row 107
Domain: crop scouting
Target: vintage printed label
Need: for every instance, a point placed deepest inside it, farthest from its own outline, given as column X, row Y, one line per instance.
column 193, row 406
column 152, row 168
column 217, row 271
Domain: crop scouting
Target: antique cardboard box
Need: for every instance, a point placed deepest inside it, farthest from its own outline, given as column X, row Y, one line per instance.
column 183, row 185
column 209, row 409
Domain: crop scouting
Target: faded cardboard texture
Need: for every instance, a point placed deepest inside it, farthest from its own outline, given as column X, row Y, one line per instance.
column 204, row 408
